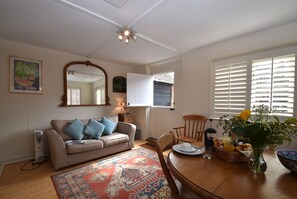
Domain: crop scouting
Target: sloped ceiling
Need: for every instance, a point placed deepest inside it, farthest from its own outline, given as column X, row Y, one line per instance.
column 165, row 28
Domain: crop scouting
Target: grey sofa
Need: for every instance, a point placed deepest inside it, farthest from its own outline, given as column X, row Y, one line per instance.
column 63, row 154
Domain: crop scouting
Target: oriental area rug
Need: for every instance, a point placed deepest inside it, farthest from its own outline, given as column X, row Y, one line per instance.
column 133, row 174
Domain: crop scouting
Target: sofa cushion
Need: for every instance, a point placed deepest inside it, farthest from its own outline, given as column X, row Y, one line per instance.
column 114, row 118
column 59, row 125
column 94, row 129
column 109, row 126
column 88, row 145
column 75, row 129
column 114, row 138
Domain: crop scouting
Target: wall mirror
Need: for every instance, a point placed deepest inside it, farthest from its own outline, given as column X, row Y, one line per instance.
column 85, row 84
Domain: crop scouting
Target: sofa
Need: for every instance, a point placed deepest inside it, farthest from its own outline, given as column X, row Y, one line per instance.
column 66, row 151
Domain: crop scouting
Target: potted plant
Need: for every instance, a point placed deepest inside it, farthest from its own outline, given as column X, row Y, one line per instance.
column 259, row 128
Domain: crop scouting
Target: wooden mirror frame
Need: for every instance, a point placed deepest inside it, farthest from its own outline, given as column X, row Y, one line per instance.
column 87, row 63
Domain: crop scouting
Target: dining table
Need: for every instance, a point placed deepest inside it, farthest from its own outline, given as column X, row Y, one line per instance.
column 216, row 178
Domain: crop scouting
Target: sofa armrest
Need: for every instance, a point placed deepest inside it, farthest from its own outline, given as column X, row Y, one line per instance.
column 128, row 129
column 57, row 147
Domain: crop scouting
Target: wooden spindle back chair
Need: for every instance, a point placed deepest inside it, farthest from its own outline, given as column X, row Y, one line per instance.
column 162, row 142
column 192, row 130
column 178, row 191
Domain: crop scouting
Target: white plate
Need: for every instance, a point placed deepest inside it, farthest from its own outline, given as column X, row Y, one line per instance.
column 190, row 150
column 198, row 150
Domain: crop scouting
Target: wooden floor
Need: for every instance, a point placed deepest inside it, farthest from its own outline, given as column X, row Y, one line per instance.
column 37, row 183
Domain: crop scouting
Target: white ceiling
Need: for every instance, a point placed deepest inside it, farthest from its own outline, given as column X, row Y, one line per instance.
column 165, row 28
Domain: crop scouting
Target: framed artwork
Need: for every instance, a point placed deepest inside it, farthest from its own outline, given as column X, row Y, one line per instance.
column 119, row 84
column 25, row 75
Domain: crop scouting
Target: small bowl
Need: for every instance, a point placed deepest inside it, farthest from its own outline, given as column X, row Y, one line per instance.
column 288, row 158
column 186, row 146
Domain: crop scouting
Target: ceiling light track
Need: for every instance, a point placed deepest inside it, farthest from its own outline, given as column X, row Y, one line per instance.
column 144, row 15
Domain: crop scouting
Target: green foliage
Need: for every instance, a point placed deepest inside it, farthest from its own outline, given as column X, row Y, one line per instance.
column 261, row 128
column 25, row 69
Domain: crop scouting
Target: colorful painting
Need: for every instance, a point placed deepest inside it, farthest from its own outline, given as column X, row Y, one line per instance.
column 25, row 76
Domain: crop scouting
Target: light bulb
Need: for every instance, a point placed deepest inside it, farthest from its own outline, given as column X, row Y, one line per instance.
column 126, row 40
column 126, row 32
column 120, row 37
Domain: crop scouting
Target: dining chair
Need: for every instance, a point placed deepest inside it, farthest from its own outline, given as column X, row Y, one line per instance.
column 177, row 190
column 192, row 129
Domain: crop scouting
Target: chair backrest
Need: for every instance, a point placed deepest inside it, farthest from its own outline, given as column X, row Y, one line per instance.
column 194, row 126
column 162, row 142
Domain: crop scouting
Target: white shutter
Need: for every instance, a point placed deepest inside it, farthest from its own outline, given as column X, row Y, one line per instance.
column 230, row 83
column 139, row 90
column 273, row 81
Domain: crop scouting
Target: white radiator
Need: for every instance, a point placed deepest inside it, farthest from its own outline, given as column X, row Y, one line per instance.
column 38, row 146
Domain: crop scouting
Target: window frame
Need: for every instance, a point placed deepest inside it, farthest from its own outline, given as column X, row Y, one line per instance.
column 172, row 90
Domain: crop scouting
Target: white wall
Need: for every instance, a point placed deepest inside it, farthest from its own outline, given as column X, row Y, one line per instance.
column 193, row 86
column 147, row 119
column 161, row 114
column 20, row 114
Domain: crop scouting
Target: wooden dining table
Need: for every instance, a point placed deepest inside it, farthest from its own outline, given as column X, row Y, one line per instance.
column 216, row 178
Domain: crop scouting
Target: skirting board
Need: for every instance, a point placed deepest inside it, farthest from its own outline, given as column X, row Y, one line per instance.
column 1, row 167
column 3, row 164
column 151, row 141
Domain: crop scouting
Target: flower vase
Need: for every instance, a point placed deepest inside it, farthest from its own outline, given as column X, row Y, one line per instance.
column 257, row 162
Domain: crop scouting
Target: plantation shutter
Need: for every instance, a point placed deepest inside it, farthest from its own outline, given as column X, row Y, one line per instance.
column 230, row 83
column 272, row 83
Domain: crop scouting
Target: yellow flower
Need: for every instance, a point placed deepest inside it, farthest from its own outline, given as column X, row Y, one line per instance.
column 245, row 114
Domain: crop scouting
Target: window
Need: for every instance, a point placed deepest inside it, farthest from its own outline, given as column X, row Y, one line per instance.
column 163, row 89
column 99, row 98
column 73, row 96
column 266, row 77
column 148, row 90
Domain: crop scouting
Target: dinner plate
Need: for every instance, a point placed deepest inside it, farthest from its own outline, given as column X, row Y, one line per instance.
column 198, row 150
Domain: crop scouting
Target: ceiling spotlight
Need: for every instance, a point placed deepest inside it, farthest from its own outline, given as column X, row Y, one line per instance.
column 126, row 34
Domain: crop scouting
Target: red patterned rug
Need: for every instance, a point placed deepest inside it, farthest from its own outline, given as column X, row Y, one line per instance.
column 134, row 174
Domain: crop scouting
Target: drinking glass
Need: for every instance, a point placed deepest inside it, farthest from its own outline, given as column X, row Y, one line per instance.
column 207, row 152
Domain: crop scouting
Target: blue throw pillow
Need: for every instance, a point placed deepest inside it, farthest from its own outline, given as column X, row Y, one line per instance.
column 75, row 129
column 94, row 129
column 109, row 126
